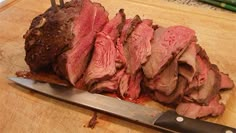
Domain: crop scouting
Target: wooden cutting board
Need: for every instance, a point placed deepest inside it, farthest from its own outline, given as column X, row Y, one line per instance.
column 25, row 111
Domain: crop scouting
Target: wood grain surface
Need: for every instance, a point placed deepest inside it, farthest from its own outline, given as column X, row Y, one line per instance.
column 24, row 111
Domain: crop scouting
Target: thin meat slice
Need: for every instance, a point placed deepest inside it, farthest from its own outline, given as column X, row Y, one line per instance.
column 226, row 82
column 211, row 87
column 138, row 47
column 103, row 62
column 193, row 110
column 120, row 57
column 108, row 85
column 124, row 84
column 166, row 81
column 134, row 86
column 176, row 96
column 167, row 43
column 209, row 79
column 129, row 85
column 187, row 62
column 130, row 25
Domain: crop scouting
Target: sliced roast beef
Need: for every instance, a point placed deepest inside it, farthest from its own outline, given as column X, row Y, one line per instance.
column 120, row 57
column 62, row 39
column 134, row 85
column 176, row 96
column 103, row 62
column 210, row 77
column 187, row 62
column 78, row 43
column 166, row 44
column 193, row 110
column 108, row 85
column 226, row 82
column 138, row 47
column 128, row 28
column 166, row 81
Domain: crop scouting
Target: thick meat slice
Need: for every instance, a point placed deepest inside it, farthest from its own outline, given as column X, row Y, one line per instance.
column 193, row 110
column 103, row 62
column 166, row 44
column 87, row 23
column 62, row 39
column 138, row 47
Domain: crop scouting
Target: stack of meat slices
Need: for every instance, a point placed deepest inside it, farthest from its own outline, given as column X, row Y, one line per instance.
column 126, row 56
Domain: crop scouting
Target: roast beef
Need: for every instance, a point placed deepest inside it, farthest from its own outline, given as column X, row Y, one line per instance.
column 125, row 56
column 226, row 82
column 103, row 62
column 167, row 43
column 138, row 47
column 175, row 97
column 194, row 110
column 62, row 38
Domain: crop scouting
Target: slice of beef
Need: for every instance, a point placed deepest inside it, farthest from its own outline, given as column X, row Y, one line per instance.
column 138, row 47
column 130, row 25
column 62, row 39
column 129, row 85
column 176, row 96
column 134, row 89
column 103, row 62
column 193, row 110
column 209, row 79
column 211, row 87
column 108, row 85
column 120, row 57
column 187, row 62
column 165, row 82
column 124, row 85
column 167, row 43
column 226, row 82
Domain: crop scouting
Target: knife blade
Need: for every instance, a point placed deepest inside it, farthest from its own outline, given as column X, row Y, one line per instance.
column 164, row 121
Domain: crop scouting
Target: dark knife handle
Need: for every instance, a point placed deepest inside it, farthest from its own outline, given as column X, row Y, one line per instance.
column 171, row 120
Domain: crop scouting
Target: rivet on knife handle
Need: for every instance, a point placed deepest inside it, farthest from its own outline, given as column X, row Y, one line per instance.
column 171, row 120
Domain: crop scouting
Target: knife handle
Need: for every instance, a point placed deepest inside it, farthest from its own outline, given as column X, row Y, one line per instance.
column 171, row 120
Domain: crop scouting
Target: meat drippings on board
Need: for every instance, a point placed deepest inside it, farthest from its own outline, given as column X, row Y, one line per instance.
column 125, row 56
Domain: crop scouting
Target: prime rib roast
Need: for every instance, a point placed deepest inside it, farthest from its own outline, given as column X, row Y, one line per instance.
column 125, row 56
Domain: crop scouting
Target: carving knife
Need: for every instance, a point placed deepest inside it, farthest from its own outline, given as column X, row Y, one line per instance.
column 167, row 121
